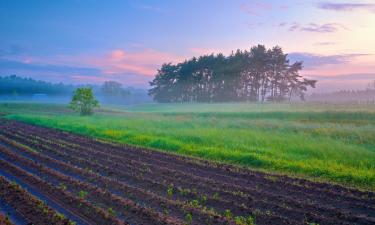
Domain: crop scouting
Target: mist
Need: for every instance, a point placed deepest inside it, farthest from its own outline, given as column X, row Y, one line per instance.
column 20, row 89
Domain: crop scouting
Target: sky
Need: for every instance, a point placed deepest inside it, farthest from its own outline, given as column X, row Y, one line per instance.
column 91, row 41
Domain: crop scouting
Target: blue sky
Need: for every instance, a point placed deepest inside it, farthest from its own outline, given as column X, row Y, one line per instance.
column 90, row 41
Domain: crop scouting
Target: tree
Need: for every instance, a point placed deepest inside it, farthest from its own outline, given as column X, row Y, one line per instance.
column 259, row 74
column 83, row 101
column 15, row 85
column 113, row 89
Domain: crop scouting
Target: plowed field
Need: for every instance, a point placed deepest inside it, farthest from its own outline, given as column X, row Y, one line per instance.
column 93, row 182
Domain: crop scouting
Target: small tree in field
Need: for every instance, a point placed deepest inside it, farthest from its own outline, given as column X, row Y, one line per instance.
column 83, row 101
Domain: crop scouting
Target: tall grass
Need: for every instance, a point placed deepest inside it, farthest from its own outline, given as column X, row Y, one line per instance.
column 324, row 143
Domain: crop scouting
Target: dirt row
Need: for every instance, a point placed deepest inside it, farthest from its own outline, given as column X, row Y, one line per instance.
column 200, row 217
column 177, row 189
column 31, row 208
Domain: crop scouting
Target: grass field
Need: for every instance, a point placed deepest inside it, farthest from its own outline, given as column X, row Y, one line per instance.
column 323, row 142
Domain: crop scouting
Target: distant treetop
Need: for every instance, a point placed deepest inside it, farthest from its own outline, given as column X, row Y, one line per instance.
column 15, row 85
column 257, row 75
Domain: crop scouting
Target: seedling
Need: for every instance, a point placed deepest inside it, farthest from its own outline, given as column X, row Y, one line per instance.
column 82, row 194
column 240, row 220
column 62, row 186
column 203, row 199
column 188, row 218
column 170, row 191
column 228, row 214
column 111, row 212
column 195, row 203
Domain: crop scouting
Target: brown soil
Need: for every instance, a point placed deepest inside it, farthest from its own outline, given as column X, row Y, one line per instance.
column 148, row 187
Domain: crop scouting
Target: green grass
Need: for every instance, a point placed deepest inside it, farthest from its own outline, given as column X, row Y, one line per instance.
column 325, row 142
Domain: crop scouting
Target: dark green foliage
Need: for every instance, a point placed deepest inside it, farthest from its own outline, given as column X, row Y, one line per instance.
column 14, row 85
column 257, row 75
column 83, row 101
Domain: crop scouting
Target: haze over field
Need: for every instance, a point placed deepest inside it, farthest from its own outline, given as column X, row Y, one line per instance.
column 127, row 41
column 198, row 112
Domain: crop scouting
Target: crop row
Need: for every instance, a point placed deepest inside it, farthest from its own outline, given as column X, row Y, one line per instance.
column 224, row 173
column 36, row 211
column 201, row 214
column 282, row 209
column 31, row 208
column 91, row 193
column 210, row 219
column 213, row 201
column 140, row 186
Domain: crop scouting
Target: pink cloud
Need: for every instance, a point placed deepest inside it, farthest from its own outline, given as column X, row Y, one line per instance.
column 317, row 28
column 117, row 54
column 145, row 62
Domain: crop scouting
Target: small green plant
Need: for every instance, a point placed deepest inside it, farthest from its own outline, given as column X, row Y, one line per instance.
column 111, row 212
column 203, row 199
column 82, row 194
column 215, row 196
column 60, row 216
column 62, row 186
column 228, row 214
column 240, row 220
column 188, row 218
column 250, row 220
column 195, row 203
column 13, row 184
column 170, row 191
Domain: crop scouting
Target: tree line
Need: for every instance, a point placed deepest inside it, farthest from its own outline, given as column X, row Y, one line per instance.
column 257, row 75
column 15, row 85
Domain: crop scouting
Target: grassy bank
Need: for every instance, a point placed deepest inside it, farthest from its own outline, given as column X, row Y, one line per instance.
column 328, row 142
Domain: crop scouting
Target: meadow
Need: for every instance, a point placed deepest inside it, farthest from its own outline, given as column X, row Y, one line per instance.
column 321, row 142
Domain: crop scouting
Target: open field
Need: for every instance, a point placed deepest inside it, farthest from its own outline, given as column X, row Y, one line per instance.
column 102, row 183
column 334, row 143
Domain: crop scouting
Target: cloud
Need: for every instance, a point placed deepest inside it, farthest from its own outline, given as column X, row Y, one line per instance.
column 348, row 77
column 117, row 54
column 316, row 28
column 255, row 8
column 312, row 61
column 129, row 67
column 144, row 62
column 252, row 25
column 29, row 66
column 71, row 74
column 325, row 43
column 347, row 6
